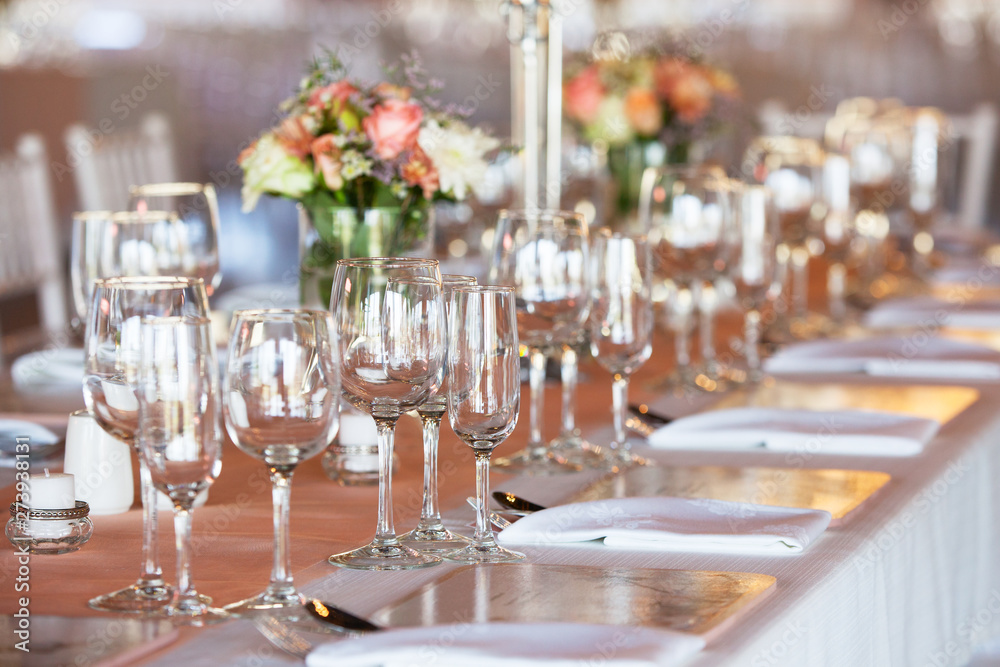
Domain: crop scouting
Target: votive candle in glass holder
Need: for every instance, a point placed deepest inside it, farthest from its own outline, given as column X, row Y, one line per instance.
column 51, row 491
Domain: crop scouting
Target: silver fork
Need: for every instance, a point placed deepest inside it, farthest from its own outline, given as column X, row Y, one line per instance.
column 283, row 637
column 495, row 518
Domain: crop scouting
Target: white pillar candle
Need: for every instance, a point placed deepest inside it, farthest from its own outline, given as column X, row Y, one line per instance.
column 101, row 465
column 51, row 491
column 356, row 429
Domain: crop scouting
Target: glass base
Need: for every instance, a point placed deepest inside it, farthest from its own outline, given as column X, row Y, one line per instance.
column 200, row 618
column 286, row 606
column 576, row 450
column 383, row 557
column 617, row 459
column 433, row 539
column 489, row 552
column 535, row 461
column 136, row 599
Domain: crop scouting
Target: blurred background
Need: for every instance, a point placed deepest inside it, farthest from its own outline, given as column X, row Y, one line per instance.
column 211, row 74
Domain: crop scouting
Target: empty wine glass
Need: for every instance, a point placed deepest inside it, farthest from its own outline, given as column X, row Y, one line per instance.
column 85, row 260
column 180, row 438
column 687, row 215
column 112, row 346
column 484, row 391
column 390, row 318
column 196, row 208
column 753, row 273
column 280, row 391
column 621, row 323
column 430, row 533
column 543, row 255
column 839, row 231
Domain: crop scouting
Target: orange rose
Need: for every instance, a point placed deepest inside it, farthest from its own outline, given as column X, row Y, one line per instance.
column 393, row 126
column 326, row 157
column 667, row 74
column 387, row 90
column 691, row 96
column 643, row 111
column 334, row 94
column 420, row 171
column 294, row 137
column 583, row 94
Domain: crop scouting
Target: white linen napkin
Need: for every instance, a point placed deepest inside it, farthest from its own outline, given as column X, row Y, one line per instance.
column 891, row 356
column 927, row 311
column 852, row 432
column 40, row 441
column 673, row 524
column 509, row 645
column 56, row 369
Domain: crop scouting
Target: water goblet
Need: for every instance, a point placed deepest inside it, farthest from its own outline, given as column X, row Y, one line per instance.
column 180, row 439
column 112, row 346
column 280, row 394
column 390, row 318
column 484, row 390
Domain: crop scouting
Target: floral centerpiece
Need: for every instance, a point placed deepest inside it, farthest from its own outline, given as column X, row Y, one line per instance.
column 365, row 162
column 648, row 109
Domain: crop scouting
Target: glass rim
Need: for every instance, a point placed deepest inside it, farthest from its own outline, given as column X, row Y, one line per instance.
column 388, row 262
column 141, row 217
column 458, row 279
column 608, row 233
column 151, row 281
column 285, row 314
column 87, row 216
column 485, row 289
column 540, row 214
column 168, row 189
column 174, row 320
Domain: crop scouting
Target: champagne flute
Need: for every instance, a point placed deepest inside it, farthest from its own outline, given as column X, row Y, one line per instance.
column 112, row 346
column 390, row 318
column 621, row 323
column 280, row 391
column 753, row 273
column 177, row 389
column 484, row 391
column 543, row 255
column 430, row 533
column 196, row 208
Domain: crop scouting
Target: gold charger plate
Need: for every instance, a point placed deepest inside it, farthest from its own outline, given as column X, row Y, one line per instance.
column 839, row 492
column 691, row 601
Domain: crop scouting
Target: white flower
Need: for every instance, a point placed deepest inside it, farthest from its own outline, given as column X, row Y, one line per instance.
column 456, row 151
column 268, row 167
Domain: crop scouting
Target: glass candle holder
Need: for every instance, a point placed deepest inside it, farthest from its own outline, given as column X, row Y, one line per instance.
column 45, row 531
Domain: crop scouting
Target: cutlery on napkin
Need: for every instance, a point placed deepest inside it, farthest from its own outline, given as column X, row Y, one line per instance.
column 59, row 368
column 40, row 441
column 673, row 524
column 889, row 356
column 509, row 644
column 927, row 311
column 853, row 432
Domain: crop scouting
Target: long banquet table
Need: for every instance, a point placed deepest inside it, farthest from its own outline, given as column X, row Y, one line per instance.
column 911, row 577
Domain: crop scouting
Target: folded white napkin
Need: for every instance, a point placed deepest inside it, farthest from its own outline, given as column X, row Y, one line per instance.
column 852, row 432
column 673, row 524
column 508, row 645
column 917, row 356
column 40, row 441
column 931, row 312
column 58, row 369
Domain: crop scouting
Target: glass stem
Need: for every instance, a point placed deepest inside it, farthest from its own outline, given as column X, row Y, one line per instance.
column 185, row 597
column 484, row 530
column 281, row 500
column 152, row 575
column 800, row 282
column 682, row 342
column 751, row 338
column 706, row 311
column 836, row 287
column 385, row 534
column 536, row 378
column 568, row 374
column 619, row 397
column 430, row 514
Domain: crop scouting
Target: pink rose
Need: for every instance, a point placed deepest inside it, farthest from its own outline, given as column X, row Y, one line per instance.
column 294, row 137
column 326, row 157
column 583, row 94
column 393, row 126
column 337, row 92
column 691, row 96
column 420, row 171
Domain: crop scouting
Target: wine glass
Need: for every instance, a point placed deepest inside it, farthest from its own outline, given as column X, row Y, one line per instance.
column 177, row 390
column 791, row 167
column 112, row 350
column 281, row 392
column 196, row 208
column 753, row 273
column 390, row 318
column 543, row 255
column 430, row 534
column 688, row 221
column 85, row 260
column 150, row 243
column 621, row 323
column 484, row 391
column 839, row 231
